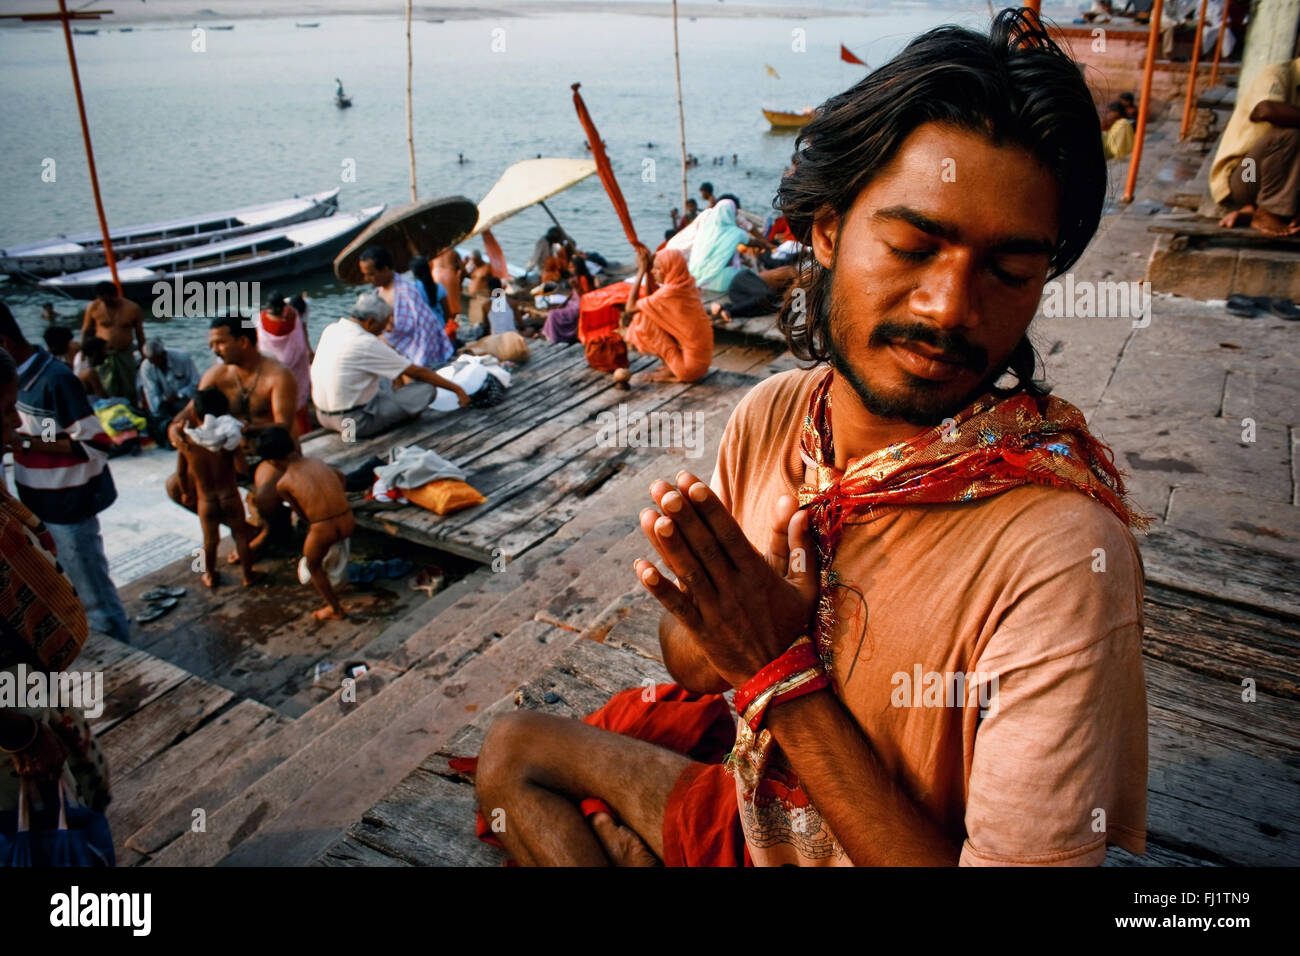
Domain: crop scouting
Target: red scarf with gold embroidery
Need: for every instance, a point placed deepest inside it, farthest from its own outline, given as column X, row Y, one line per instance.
column 993, row 445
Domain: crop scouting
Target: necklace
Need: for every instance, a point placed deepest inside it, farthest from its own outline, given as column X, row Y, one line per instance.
column 244, row 393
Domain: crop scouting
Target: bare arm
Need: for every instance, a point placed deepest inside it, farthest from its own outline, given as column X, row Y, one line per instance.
column 422, row 374
column 872, row 818
column 87, row 325
column 139, row 327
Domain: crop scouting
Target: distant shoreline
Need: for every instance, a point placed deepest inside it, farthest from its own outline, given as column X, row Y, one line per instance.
column 208, row 13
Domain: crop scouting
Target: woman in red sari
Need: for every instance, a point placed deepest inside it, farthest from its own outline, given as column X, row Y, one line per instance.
column 670, row 321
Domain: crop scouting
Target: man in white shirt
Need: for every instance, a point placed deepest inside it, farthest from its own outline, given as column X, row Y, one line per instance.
column 354, row 370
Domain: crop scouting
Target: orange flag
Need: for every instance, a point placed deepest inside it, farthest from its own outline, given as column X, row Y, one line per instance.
column 603, row 169
column 848, row 57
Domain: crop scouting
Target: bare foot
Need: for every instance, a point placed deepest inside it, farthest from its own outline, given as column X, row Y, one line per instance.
column 720, row 315
column 210, row 579
column 328, row 613
column 662, row 374
column 1271, row 225
column 252, row 577
column 621, row 375
column 1238, row 217
column 622, row 845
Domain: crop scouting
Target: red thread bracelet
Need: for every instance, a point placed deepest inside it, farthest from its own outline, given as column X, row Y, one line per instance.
column 800, row 656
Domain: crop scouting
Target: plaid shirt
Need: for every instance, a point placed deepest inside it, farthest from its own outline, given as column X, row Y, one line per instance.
column 417, row 333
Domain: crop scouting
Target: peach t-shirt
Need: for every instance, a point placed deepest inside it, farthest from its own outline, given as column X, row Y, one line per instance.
column 1032, row 596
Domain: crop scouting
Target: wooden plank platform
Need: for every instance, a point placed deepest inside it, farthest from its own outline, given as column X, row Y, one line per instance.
column 536, row 455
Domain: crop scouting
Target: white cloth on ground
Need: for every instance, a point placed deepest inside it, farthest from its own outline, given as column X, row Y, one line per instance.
column 410, row 466
column 469, row 372
column 217, row 433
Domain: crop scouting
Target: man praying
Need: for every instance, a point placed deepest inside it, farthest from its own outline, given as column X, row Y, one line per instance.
column 914, row 505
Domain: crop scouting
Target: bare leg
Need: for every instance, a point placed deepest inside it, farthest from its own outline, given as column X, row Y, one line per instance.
column 535, row 767
column 210, row 519
column 319, row 540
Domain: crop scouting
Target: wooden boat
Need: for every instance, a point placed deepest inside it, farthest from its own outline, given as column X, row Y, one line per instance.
column 231, row 27
column 84, row 33
column 306, row 26
column 783, row 119
column 270, row 254
column 86, row 250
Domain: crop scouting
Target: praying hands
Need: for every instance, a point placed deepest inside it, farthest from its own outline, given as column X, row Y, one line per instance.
column 741, row 609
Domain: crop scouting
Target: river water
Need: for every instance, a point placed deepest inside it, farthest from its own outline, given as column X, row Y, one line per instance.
column 251, row 119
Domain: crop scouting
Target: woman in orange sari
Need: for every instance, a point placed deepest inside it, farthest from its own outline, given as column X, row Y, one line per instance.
column 670, row 321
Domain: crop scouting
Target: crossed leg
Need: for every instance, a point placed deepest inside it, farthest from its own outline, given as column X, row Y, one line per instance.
column 533, row 770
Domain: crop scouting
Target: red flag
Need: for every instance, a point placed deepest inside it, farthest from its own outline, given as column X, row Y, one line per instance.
column 848, row 57
column 603, row 169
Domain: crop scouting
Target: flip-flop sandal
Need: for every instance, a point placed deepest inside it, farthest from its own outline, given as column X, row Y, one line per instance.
column 370, row 571
column 1284, row 309
column 157, row 594
column 156, row 610
column 1244, row 306
column 354, row 572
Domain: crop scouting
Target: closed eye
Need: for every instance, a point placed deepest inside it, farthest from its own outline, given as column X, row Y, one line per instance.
column 911, row 255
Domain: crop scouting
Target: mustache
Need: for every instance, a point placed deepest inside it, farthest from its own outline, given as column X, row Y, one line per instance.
column 954, row 346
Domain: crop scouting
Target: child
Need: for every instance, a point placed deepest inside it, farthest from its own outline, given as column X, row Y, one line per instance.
column 316, row 492
column 207, row 459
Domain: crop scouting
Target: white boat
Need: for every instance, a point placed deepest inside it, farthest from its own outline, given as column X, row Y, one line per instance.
column 86, row 250
column 270, row 254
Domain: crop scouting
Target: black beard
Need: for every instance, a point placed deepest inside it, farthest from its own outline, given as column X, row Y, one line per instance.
column 921, row 403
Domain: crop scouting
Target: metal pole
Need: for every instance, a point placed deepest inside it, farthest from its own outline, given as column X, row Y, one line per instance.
column 90, row 152
column 1144, row 106
column 1218, row 46
column 1189, row 106
column 410, row 122
column 681, row 116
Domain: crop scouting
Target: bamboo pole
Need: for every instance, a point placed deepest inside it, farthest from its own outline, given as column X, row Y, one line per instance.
column 1218, row 46
column 90, row 152
column 410, row 121
column 1144, row 105
column 681, row 116
column 1189, row 105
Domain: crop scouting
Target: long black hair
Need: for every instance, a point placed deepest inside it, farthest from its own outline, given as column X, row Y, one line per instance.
column 1014, row 85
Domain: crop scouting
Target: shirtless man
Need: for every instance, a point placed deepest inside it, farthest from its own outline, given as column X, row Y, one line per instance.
column 115, row 319
column 261, row 393
column 205, row 463
column 316, row 492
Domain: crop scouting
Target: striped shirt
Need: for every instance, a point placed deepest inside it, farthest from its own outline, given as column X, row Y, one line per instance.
column 60, row 489
column 417, row 333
